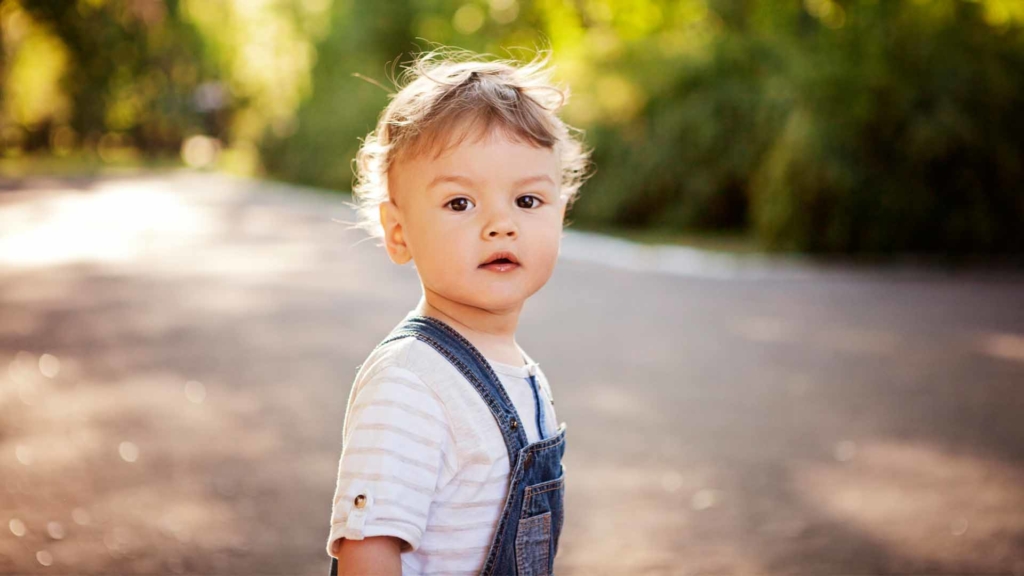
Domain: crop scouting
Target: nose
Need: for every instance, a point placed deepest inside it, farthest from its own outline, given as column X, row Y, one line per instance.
column 501, row 224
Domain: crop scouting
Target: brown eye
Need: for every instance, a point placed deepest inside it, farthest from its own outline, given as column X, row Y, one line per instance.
column 532, row 203
column 459, row 204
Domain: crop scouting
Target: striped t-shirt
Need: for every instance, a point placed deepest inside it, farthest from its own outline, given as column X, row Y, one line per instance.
column 425, row 452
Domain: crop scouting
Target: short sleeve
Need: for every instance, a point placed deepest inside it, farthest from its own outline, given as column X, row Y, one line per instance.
column 395, row 448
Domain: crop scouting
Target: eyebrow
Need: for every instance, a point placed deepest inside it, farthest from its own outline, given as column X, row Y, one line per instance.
column 444, row 178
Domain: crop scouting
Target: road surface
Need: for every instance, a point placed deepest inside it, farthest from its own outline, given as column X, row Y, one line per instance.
column 176, row 351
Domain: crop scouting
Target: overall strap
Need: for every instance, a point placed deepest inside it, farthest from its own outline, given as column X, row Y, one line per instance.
column 475, row 368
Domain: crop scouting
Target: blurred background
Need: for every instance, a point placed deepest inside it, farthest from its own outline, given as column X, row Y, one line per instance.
column 817, row 125
column 762, row 334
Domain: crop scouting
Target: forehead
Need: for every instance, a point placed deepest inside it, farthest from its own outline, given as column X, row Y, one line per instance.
column 475, row 156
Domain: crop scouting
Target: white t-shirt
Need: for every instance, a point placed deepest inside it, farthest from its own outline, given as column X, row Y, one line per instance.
column 424, row 450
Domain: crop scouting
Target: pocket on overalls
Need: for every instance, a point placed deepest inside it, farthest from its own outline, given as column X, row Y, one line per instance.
column 540, row 527
column 533, row 546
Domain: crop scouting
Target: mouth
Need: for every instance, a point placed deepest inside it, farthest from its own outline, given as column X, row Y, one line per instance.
column 501, row 262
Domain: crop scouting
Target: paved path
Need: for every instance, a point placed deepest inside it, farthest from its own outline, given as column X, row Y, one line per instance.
column 176, row 351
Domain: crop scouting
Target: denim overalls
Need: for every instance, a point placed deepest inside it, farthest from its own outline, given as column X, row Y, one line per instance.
column 531, row 520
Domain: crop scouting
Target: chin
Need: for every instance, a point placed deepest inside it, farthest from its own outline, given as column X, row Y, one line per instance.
column 498, row 301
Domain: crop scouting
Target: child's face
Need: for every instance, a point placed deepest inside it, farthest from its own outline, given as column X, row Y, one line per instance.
column 453, row 213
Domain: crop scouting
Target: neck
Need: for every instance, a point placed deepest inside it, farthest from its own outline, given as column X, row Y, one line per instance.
column 491, row 331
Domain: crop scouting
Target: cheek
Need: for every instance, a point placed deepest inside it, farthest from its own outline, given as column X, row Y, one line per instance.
column 547, row 245
column 444, row 253
column 429, row 238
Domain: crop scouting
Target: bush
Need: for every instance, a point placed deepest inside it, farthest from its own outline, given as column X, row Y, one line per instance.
column 900, row 130
column 905, row 133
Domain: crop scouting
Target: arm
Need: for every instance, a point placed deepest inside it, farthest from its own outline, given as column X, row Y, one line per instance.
column 376, row 555
column 388, row 473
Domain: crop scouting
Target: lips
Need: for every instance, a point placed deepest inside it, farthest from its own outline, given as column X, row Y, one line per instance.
column 503, row 257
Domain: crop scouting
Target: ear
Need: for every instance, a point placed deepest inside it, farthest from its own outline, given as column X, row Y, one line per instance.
column 394, row 238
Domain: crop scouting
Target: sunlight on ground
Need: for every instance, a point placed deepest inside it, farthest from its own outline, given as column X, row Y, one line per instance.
column 852, row 340
column 762, row 329
column 858, row 341
column 646, row 519
column 115, row 222
column 923, row 501
column 618, row 402
column 924, row 504
column 1003, row 346
column 152, row 225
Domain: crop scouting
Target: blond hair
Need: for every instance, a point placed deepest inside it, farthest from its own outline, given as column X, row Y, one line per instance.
column 448, row 88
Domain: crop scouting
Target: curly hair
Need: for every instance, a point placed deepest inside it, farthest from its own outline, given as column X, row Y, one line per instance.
column 447, row 88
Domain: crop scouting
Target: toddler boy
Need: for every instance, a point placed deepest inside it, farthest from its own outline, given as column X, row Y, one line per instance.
column 451, row 458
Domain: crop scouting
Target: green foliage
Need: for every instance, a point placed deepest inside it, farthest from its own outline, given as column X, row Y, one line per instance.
column 904, row 132
column 373, row 40
column 683, row 163
column 131, row 67
column 344, row 107
column 816, row 125
column 865, row 126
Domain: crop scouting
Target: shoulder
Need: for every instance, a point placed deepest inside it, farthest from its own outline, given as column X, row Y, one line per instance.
column 409, row 371
column 391, row 371
column 391, row 404
column 411, row 356
column 384, row 355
